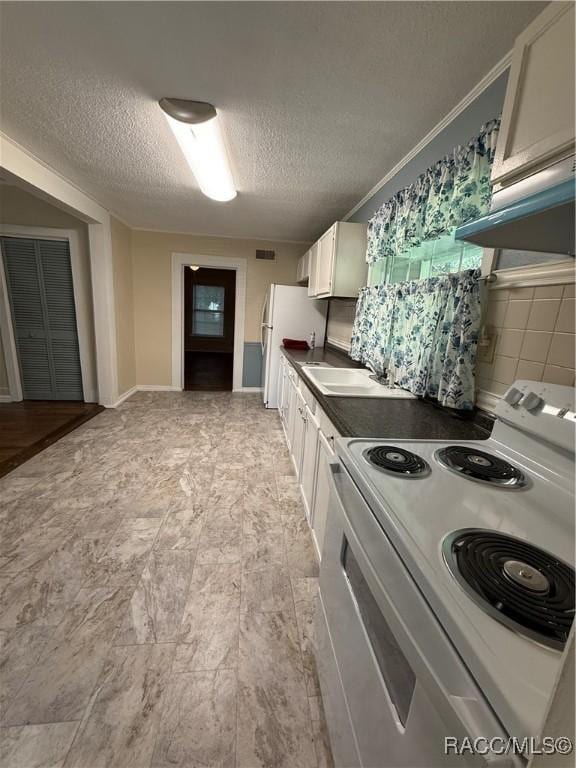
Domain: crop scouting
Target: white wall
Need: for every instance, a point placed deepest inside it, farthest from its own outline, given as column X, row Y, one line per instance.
column 124, row 303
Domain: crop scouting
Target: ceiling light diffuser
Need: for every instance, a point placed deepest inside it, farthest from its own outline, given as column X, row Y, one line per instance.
column 197, row 129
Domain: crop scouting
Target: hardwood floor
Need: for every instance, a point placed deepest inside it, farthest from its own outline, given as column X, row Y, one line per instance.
column 208, row 371
column 28, row 427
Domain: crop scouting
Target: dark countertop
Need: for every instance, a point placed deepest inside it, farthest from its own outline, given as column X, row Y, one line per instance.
column 381, row 418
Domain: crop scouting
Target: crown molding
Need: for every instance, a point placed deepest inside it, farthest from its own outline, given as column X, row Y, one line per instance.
column 270, row 240
column 481, row 86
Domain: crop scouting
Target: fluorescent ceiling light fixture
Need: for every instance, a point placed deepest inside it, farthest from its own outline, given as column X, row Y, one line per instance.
column 197, row 129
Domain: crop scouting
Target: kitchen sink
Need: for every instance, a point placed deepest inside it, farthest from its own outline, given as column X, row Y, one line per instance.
column 351, row 382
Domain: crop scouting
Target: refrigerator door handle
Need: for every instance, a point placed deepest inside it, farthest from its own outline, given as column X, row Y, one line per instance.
column 263, row 324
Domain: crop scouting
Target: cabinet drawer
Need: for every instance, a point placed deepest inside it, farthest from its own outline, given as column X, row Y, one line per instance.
column 329, row 430
column 308, row 396
column 292, row 375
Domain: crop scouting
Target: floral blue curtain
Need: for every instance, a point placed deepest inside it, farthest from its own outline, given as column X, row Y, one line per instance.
column 454, row 190
column 427, row 331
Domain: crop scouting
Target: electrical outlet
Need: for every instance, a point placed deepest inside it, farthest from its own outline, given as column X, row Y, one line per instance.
column 487, row 344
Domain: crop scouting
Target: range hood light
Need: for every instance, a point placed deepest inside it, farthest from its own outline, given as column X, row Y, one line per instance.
column 197, row 130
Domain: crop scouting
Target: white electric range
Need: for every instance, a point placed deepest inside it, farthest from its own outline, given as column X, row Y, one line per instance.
column 447, row 585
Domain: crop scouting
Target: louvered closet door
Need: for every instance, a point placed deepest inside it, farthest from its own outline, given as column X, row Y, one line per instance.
column 40, row 288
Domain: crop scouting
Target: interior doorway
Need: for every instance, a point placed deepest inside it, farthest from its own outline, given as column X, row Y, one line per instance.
column 42, row 303
column 209, row 324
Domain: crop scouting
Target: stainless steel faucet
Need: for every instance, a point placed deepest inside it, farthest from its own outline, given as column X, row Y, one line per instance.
column 381, row 378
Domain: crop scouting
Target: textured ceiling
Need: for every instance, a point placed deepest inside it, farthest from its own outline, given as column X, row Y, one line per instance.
column 318, row 100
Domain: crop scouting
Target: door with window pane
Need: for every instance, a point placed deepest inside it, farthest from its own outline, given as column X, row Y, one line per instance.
column 209, row 307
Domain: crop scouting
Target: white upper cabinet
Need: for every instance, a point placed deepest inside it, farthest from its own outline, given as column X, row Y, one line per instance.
column 303, row 269
column 338, row 262
column 538, row 116
column 312, row 262
column 325, row 262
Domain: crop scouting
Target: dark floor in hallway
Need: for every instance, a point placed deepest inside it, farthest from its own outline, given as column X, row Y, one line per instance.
column 29, row 427
column 208, row 371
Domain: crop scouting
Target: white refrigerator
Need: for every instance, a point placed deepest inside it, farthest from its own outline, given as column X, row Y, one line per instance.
column 287, row 312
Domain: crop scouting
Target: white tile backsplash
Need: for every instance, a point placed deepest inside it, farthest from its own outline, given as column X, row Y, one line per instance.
column 535, row 330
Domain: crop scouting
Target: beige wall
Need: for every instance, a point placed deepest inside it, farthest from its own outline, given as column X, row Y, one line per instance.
column 124, row 305
column 20, row 208
column 151, row 254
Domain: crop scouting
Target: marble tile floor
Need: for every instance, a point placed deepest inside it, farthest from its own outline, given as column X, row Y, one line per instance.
column 157, row 580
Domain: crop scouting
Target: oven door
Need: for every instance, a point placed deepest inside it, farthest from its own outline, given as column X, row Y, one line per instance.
column 393, row 685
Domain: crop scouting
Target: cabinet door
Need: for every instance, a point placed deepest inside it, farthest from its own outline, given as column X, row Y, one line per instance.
column 281, row 387
column 289, row 397
column 322, row 491
column 309, row 463
column 300, row 269
column 313, row 270
column 285, row 410
column 299, row 433
column 41, row 292
column 325, row 262
column 538, row 115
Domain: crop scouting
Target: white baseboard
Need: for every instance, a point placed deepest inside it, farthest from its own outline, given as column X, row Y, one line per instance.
column 161, row 388
column 143, row 388
column 5, row 398
column 123, row 397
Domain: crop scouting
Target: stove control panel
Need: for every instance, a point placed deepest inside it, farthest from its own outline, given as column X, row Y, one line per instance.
column 532, row 402
column 544, row 409
column 513, row 396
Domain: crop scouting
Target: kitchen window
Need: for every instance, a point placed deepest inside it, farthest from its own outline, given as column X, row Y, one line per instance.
column 432, row 258
column 208, row 310
column 399, row 678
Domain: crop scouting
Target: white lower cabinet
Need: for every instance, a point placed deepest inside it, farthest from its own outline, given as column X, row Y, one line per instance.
column 310, row 436
column 309, row 463
column 290, row 397
column 322, row 490
column 299, row 432
column 281, row 387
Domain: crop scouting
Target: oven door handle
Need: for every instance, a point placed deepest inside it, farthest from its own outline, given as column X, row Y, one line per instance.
column 345, row 500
